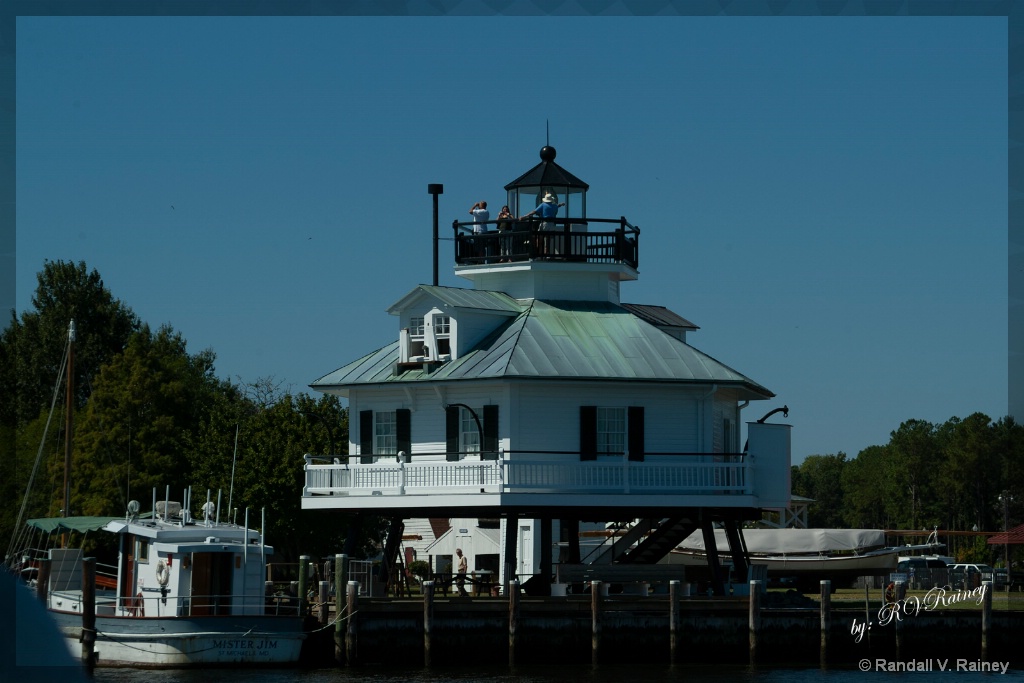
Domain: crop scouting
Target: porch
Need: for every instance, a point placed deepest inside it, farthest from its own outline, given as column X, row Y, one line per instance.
column 391, row 481
column 591, row 240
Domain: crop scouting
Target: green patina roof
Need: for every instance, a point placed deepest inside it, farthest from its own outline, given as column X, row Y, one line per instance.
column 559, row 340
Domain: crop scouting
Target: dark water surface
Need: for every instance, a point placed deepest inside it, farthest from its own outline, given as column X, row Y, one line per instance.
column 552, row 674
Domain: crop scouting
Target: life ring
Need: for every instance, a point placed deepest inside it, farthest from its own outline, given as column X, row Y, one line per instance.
column 163, row 573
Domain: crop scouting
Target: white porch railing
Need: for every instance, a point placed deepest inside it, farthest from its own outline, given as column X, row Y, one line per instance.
column 684, row 475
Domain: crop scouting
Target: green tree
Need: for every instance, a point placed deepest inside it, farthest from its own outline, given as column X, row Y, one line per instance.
column 967, row 482
column 868, row 495
column 821, row 478
column 916, row 457
column 132, row 435
column 32, row 348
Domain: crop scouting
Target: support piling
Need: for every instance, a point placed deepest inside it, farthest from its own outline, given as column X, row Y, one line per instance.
column 674, row 588
column 513, row 620
column 595, row 622
column 986, row 617
column 428, row 621
column 826, row 618
column 89, row 613
column 755, row 617
column 352, row 632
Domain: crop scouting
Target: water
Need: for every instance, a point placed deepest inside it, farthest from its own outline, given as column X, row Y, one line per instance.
column 548, row 674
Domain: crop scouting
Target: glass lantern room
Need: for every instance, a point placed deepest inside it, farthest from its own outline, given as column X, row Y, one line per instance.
column 527, row 191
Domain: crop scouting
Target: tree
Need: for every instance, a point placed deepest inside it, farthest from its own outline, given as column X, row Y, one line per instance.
column 32, row 348
column 820, row 478
column 132, row 435
column 916, row 457
column 868, row 495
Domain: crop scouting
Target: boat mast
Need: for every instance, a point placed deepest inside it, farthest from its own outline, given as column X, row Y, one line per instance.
column 69, row 419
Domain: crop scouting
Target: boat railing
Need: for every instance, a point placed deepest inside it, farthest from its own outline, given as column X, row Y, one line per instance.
column 528, row 472
column 581, row 240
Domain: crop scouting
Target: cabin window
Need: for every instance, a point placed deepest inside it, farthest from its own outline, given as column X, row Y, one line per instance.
column 143, row 552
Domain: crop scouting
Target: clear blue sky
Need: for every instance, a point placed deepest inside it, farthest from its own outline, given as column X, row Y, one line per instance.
column 825, row 197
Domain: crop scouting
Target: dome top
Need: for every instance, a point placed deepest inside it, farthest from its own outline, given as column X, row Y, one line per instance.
column 548, row 174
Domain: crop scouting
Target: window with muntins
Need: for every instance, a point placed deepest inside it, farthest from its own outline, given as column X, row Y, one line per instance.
column 385, row 433
column 469, row 433
column 611, row 431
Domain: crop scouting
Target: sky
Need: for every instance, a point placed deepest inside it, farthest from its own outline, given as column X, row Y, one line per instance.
column 825, row 197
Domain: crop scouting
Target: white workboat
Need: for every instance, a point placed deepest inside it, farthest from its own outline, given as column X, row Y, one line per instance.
column 184, row 593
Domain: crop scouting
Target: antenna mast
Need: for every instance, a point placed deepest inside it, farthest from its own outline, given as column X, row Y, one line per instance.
column 69, row 422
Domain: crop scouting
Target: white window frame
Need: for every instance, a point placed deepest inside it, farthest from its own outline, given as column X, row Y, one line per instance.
column 385, row 432
column 469, row 434
column 612, row 431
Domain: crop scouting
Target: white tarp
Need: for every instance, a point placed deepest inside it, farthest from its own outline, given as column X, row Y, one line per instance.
column 794, row 541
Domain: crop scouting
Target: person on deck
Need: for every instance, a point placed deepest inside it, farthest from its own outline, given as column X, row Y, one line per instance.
column 480, row 217
column 548, row 208
column 460, row 574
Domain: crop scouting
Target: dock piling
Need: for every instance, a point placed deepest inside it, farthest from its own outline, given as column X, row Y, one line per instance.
column 826, row 618
column 986, row 617
column 323, row 599
column 340, row 581
column 513, row 620
column 674, row 588
column 352, row 632
column 428, row 619
column 755, row 617
column 303, row 585
column 595, row 622
column 43, row 579
column 901, row 594
column 89, row 613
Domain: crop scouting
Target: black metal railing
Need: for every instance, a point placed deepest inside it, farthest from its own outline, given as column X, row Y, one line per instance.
column 551, row 239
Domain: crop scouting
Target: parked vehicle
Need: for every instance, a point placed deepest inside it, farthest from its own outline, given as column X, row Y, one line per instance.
column 923, row 572
column 967, row 576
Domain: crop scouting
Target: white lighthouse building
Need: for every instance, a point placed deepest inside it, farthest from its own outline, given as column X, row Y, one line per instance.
column 534, row 403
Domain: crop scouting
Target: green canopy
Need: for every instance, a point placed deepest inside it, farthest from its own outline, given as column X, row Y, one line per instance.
column 81, row 524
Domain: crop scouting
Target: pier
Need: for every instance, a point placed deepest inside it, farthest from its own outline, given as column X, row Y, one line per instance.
column 590, row 627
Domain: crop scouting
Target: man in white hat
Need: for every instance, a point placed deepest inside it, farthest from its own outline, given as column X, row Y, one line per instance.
column 548, row 208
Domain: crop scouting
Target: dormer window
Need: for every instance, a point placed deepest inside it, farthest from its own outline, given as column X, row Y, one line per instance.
column 428, row 338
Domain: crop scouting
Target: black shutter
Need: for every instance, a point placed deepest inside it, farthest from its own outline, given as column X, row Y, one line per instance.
column 366, row 436
column 451, row 431
column 636, row 432
column 403, row 416
column 490, row 444
column 588, row 432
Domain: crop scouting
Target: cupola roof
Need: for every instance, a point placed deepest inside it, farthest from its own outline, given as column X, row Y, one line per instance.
column 547, row 173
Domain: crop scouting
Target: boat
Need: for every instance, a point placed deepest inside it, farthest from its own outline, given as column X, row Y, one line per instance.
column 808, row 554
column 184, row 592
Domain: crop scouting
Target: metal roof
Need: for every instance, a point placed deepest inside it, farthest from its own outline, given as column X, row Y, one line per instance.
column 458, row 297
column 547, row 173
column 559, row 340
column 659, row 315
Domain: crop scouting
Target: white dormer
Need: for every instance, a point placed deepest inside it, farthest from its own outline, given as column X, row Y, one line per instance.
column 439, row 324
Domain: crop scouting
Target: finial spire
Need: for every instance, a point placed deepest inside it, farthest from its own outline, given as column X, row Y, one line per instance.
column 547, row 132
